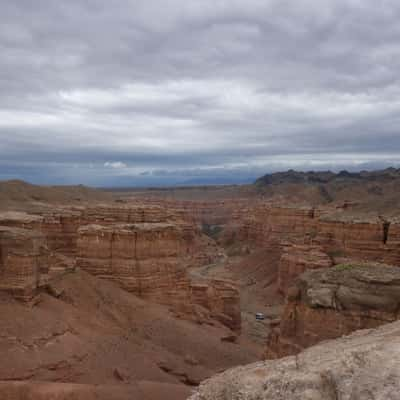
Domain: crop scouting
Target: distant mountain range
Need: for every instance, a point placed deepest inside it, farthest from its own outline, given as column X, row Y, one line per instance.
column 321, row 177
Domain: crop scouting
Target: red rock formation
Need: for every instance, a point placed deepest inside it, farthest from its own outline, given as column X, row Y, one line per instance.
column 143, row 258
column 369, row 239
column 269, row 225
column 109, row 341
column 357, row 239
column 59, row 227
column 24, row 262
column 298, row 258
column 392, row 243
column 328, row 303
column 151, row 260
column 221, row 298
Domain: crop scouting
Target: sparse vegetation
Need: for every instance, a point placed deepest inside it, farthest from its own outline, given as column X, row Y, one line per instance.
column 336, row 253
column 345, row 267
column 212, row 231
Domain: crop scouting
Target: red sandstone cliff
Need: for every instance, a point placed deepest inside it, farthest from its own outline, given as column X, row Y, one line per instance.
column 24, row 262
column 151, row 260
column 296, row 259
column 331, row 302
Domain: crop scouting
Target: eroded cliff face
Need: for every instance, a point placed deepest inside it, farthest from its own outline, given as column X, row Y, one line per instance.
column 145, row 258
column 145, row 249
column 151, row 261
column 222, row 298
column 267, row 225
column 59, row 227
column 365, row 365
column 296, row 259
column 24, row 262
column 259, row 223
column 331, row 302
column 338, row 233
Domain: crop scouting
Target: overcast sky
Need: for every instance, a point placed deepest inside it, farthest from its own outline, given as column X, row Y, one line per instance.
column 127, row 92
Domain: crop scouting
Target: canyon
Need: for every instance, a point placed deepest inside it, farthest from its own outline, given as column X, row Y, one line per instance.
column 141, row 294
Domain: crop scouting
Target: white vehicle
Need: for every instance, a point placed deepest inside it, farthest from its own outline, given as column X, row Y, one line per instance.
column 260, row 316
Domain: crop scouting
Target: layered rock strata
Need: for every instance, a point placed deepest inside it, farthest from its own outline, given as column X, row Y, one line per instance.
column 221, row 298
column 365, row 239
column 268, row 226
column 24, row 262
column 142, row 258
column 151, row 260
column 331, row 302
column 296, row 259
column 58, row 227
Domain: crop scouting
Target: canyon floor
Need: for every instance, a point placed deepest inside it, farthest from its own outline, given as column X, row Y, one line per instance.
column 144, row 294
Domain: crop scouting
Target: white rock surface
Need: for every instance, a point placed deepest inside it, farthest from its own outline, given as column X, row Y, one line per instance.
column 362, row 366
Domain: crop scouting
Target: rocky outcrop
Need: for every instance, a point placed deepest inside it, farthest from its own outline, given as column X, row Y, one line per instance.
column 254, row 224
column 221, row 298
column 339, row 234
column 146, row 249
column 268, row 225
column 391, row 238
column 24, row 262
column 59, row 227
column 296, row 259
column 143, row 258
column 365, row 365
column 329, row 303
column 134, row 212
column 151, row 261
column 355, row 238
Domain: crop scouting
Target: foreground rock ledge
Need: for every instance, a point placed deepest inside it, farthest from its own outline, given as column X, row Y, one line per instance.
column 362, row 366
column 329, row 303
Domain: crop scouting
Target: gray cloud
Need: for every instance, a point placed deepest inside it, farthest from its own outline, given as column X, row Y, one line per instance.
column 102, row 92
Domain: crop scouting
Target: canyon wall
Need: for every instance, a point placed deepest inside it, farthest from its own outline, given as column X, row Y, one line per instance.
column 263, row 223
column 337, row 232
column 151, row 260
column 169, row 239
column 296, row 259
column 145, row 248
column 221, row 297
column 60, row 225
column 269, row 226
column 24, row 262
column 144, row 258
column 331, row 302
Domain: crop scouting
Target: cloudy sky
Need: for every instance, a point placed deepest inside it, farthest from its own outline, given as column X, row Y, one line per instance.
column 132, row 92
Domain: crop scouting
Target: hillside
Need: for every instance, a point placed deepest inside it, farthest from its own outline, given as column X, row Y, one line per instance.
column 16, row 193
column 368, row 191
column 98, row 336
